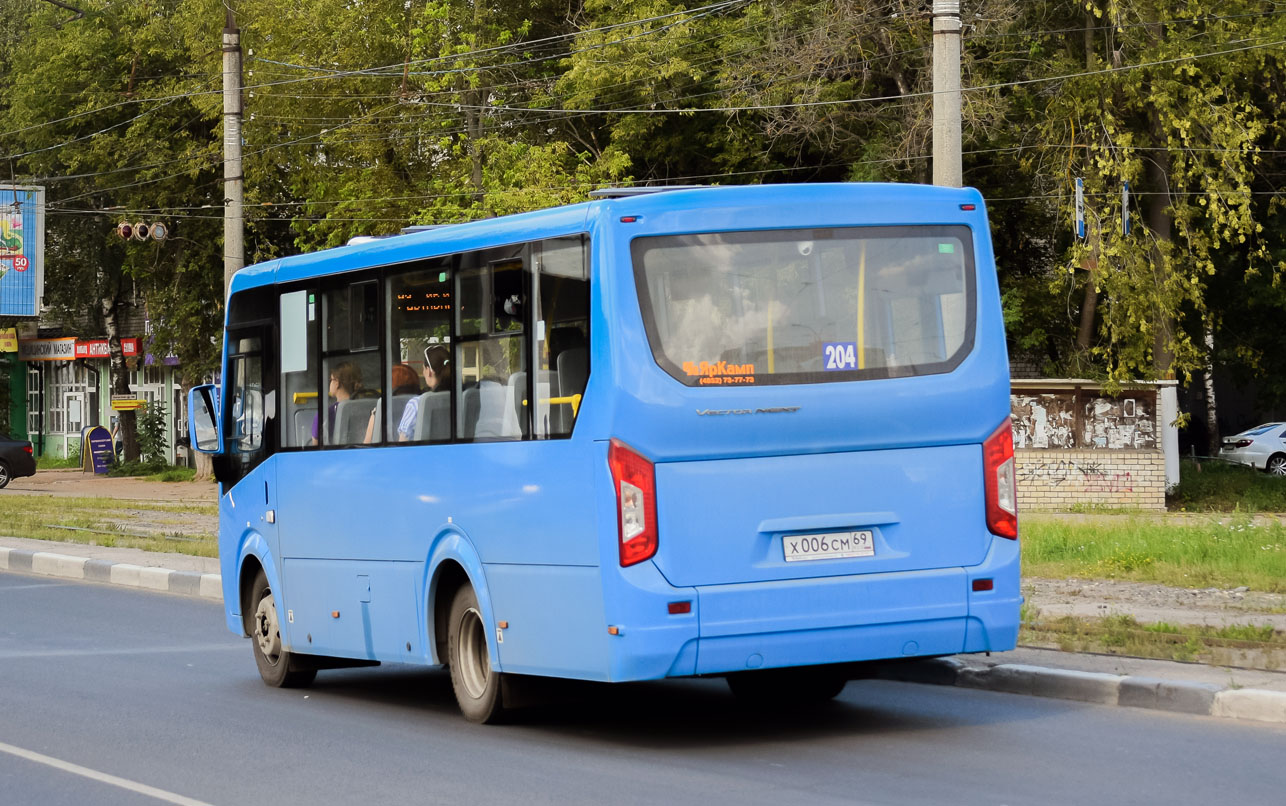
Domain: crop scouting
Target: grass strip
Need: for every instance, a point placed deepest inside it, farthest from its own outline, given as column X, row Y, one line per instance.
column 1185, row 552
column 1243, row 645
column 107, row 522
column 1215, row 486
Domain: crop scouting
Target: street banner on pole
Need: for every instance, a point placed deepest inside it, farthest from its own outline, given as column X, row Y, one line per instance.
column 22, row 250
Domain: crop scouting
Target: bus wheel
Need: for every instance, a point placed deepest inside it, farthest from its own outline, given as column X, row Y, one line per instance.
column 803, row 685
column 276, row 664
column 476, row 685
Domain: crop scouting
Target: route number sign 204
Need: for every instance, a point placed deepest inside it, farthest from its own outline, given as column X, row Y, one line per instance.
column 829, row 546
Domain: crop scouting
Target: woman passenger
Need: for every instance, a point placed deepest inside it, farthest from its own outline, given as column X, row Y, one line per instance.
column 345, row 383
column 437, row 376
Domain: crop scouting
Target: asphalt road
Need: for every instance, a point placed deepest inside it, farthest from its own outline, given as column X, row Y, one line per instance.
column 115, row 696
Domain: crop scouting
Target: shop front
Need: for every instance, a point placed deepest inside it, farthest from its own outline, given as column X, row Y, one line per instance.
column 68, row 389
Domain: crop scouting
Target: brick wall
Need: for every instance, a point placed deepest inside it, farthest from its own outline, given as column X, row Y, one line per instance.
column 1060, row 479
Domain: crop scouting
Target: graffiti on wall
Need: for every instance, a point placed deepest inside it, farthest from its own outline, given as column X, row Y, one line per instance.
column 1089, row 477
column 1119, row 423
column 1044, row 421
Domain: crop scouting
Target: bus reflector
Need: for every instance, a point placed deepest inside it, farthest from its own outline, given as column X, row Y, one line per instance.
column 635, row 483
column 983, row 584
column 1001, row 482
column 968, row 207
column 677, row 608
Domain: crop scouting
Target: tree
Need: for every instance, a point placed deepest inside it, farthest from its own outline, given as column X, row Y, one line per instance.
column 103, row 108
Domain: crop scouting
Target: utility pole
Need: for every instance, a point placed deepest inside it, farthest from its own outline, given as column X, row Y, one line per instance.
column 234, row 250
column 946, row 93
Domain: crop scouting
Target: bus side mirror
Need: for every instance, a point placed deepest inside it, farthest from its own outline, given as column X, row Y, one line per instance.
column 203, row 420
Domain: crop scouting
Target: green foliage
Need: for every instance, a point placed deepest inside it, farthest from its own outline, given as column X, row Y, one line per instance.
column 364, row 117
column 1216, row 486
column 152, row 443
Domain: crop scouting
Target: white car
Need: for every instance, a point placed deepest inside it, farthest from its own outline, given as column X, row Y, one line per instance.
column 1262, row 447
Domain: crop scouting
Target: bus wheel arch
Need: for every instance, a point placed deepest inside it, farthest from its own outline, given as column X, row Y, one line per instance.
column 250, row 569
column 448, row 578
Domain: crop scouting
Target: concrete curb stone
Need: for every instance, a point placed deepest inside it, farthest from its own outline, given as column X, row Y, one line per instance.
column 1186, row 697
column 184, row 583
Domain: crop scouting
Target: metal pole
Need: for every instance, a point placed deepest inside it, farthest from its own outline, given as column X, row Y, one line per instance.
column 234, row 252
column 946, row 93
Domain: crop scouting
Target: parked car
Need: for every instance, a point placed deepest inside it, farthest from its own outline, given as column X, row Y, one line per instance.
column 16, row 459
column 1262, row 447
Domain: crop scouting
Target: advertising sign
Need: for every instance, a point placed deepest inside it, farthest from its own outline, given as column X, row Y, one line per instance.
column 128, row 402
column 97, row 449
column 98, row 348
column 22, row 250
column 46, row 349
column 8, row 339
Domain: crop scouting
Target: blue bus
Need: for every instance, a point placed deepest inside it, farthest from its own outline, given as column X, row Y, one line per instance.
column 754, row 432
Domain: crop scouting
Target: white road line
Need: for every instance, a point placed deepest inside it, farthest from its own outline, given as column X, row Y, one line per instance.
column 76, row 769
column 22, row 654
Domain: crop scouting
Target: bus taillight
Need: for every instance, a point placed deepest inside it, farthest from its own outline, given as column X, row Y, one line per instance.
column 635, row 482
column 1001, row 481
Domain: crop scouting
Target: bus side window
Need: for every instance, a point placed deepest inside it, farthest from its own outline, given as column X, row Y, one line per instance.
column 562, row 334
column 491, row 347
column 298, row 367
column 350, row 364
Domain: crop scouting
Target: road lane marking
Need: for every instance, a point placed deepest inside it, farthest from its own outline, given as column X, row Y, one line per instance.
column 95, row 775
column 23, row 654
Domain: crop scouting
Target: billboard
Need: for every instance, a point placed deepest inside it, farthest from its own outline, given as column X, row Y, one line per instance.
column 22, row 250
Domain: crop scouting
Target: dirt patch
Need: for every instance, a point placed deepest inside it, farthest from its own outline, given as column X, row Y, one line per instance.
column 1096, row 598
column 75, row 483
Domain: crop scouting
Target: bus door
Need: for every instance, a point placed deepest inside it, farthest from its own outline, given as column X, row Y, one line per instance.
column 249, row 503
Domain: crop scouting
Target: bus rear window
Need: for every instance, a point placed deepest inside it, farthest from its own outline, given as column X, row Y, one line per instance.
column 807, row 306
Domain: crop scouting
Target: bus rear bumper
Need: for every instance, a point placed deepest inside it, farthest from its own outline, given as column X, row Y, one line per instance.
column 848, row 619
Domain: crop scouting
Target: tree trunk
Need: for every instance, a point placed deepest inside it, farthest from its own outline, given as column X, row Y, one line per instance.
column 1212, row 419
column 1090, row 304
column 1160, row 223
column 118, row 383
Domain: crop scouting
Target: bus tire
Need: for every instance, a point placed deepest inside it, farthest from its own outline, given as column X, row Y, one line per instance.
column 475, row 683
column 803, row 685
column 277, row 665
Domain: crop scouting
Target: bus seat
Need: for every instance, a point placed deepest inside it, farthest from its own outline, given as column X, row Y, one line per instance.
column 303, row 424
column 518, row 389
column 433, row 420
column 351, row 418
column 484, row 412
column 573, row 372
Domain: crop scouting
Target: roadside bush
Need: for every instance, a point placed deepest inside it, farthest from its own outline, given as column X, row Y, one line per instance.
column 151, row 434
column 1214, row 486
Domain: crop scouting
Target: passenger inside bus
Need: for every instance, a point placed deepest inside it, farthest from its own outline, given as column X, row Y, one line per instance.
column 345, row 384
column 437, row 377
column 406, row 387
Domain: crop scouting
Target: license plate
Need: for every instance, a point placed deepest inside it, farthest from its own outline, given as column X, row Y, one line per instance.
column 830, row 546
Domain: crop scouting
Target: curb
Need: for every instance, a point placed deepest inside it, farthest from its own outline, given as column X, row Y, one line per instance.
column 1202, row 699
column 185, row 583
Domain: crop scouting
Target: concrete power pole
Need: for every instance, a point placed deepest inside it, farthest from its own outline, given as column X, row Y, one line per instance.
column 234, row 249
column 946, row 93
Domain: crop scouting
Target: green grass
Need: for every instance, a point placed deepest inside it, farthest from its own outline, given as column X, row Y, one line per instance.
column 146, row 525
column 1187, row 552
column 52, row 463
column 1224, row 487
column 173, row 474
column 1238, row 645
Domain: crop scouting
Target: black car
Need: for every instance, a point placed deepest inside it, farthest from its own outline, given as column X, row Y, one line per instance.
column 16, row 460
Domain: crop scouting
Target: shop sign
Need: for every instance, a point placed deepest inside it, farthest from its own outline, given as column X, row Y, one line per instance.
column 98, row 449
column 46, row 350
column 9, row 340
column 128, row 402
column 99, row 348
